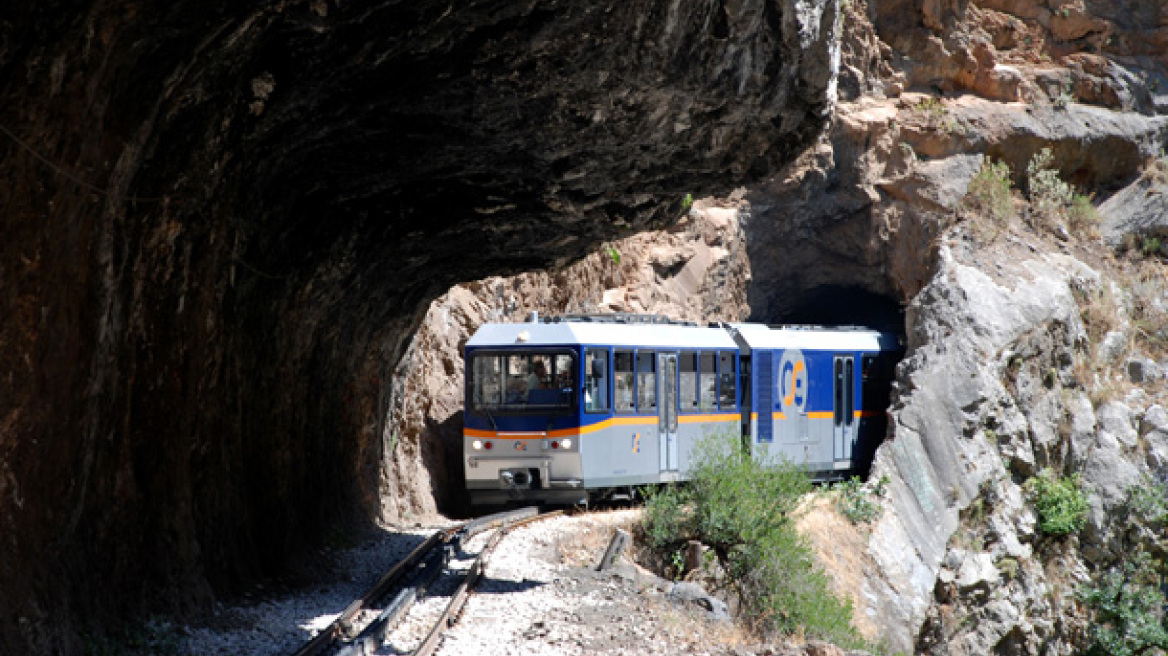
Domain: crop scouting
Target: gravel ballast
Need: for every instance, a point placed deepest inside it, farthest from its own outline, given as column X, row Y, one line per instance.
column 540, row 594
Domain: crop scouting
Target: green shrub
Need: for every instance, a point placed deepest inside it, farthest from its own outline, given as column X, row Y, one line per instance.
column 1128, row 605
column 1049, row 195
column 743, row 511
column 1147, row 504
column 1151, row 246
column 989, row 191
column 1061, row 503
column 857, row 502
column 1127, row 599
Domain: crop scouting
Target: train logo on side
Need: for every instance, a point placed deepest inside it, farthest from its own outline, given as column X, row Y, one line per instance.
column 793, row 382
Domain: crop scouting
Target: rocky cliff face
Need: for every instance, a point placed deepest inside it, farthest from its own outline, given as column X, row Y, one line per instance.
column 1032, row 346
column 223, row 223
column 1024, row 351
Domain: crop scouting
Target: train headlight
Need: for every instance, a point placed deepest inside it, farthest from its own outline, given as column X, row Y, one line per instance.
column 566, row 443
column 476, row 445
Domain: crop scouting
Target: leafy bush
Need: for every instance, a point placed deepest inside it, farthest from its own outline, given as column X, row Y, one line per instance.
column 1128, row 605
column 1049, row 195
column 1151, row 246
column 1061, row 503
column 989, row 191
column 858, row 503
column 1127, row 599
column 743, row 511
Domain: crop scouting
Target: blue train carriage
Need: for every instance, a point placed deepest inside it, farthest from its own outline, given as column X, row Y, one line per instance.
column 820, row 394
column 557, row 411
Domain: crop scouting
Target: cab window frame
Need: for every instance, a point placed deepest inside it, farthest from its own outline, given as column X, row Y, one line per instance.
column 551, row 354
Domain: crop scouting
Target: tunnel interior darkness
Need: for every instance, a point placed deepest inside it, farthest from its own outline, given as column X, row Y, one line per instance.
column 839, row 305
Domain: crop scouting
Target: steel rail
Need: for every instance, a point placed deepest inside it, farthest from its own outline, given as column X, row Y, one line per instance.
column 473, row 574
column 336, row 628
column 388, row 617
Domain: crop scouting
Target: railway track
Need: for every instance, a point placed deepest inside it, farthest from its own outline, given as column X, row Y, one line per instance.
column 446, row 566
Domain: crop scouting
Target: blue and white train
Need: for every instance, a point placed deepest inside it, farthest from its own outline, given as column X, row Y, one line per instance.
column 574, row 408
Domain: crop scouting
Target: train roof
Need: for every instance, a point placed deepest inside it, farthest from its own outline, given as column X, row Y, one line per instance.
column 615, row 334
column 816, row 338
column 623, row 330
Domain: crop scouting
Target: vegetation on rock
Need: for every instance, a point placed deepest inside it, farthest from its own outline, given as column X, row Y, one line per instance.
column 742, row 510
column 1127, row 599
column 1060, row 501
column 989, row 192
column 859, row 503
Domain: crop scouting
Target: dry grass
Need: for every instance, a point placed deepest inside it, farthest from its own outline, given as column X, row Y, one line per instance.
column 842, row 550
column 585, row 546
column 1133, row 298
column 1149, row 289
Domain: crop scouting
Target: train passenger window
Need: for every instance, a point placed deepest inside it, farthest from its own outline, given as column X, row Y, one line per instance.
column 839, row 391
column 728, row 380
column 689, row 381
column 709, row 381
column 596, row 380
column 646, row 381
column 623, row 379
column 849, row 391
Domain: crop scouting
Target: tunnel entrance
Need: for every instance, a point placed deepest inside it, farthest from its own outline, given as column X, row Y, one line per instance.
column 838, row 305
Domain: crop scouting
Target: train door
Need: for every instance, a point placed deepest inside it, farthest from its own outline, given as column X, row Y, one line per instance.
column 844, row 417
column 667, row 411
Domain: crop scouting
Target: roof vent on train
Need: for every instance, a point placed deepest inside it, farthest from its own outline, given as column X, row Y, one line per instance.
column 619, row 317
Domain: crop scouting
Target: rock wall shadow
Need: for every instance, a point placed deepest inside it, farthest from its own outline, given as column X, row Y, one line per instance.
column 442, row 458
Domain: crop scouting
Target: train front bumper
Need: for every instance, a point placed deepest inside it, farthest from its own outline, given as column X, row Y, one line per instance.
column 498, row 478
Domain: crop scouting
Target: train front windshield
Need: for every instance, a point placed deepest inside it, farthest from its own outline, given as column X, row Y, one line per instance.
column 532, row 382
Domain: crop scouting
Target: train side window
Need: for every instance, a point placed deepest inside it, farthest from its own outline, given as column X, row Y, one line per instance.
column 849, row 391
column 596, row 380
column 689, row 381
column 646, row 381
column 839, row 391
column 709, row 381
column 728, row 380
column 623, row 379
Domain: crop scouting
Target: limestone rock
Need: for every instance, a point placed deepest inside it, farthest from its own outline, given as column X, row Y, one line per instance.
column 1138, row 212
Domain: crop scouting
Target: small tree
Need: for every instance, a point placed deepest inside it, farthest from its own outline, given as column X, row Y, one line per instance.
column 1050, row 197
column 989, row 192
